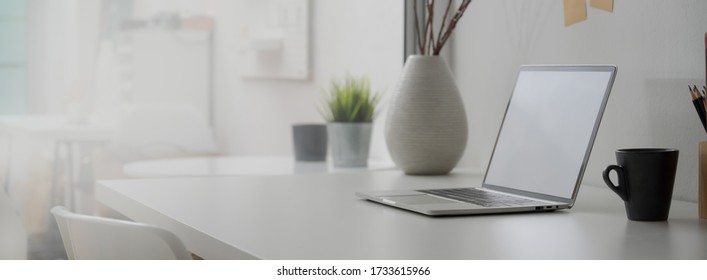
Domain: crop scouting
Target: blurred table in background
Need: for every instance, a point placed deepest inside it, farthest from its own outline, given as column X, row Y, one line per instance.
column 46, row 158
column 27, row 135
column 54, row 127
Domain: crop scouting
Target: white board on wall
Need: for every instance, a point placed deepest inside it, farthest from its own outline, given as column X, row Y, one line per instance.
column 279, row 47
column 166, row 66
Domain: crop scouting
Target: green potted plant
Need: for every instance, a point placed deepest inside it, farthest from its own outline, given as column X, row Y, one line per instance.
column 350, row 108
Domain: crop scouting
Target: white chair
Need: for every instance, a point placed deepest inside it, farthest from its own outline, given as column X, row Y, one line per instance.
column 96, row 238
column 13, row 237
column 163, row 130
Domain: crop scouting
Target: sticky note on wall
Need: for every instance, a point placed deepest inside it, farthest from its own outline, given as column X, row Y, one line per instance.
column 606, row 5
column 575, row 11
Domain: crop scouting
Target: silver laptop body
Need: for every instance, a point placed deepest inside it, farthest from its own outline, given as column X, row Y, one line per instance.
column 541, row 150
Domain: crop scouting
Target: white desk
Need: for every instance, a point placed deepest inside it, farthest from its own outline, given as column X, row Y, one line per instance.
column 230, row 166
column 317, row 216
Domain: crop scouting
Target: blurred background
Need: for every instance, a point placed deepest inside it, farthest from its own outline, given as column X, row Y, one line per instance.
column 87, row 86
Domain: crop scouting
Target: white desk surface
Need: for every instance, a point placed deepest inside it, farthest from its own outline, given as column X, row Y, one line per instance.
column 317, row 216
column 229, row 166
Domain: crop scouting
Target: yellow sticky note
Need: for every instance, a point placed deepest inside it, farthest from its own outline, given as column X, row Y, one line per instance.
column 575, row 11
column 606, row 5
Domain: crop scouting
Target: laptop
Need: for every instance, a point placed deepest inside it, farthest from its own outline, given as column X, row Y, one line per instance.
column 541, row 149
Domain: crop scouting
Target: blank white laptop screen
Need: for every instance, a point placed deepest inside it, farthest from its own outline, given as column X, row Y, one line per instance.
column 548, row 124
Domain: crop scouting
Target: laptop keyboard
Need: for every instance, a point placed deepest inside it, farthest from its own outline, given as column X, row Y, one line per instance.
column 482, row 197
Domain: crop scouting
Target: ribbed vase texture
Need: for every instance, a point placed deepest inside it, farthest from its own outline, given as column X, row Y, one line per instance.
column 426, row 127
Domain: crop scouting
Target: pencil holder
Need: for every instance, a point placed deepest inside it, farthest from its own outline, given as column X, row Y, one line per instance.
column 702, row 191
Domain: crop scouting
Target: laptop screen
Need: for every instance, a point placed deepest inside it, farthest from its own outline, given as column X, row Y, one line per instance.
column 549, row 128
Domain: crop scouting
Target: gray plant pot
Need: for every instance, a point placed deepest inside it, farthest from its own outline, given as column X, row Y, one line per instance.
column 310, row 142
column 349, row 143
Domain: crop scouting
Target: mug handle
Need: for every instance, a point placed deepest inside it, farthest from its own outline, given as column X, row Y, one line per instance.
column 621, row 189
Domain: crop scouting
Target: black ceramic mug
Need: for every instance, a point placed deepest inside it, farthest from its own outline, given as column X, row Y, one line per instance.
column 646, row 178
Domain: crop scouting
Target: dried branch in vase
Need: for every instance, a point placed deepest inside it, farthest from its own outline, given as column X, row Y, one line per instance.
column 426, row 43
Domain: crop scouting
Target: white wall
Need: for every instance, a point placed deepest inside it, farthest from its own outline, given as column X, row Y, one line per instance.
column 254, row 116
column 657, row 45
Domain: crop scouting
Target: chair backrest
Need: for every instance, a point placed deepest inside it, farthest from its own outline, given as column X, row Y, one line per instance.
column 13, row 237
column 156, row 130
column 96, row 238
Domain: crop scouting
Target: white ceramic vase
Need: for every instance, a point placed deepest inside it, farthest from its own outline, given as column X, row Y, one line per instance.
column 349, row 143
column 426, row 127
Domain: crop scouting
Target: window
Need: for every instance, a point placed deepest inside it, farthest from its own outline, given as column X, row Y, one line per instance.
column 13, row 59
